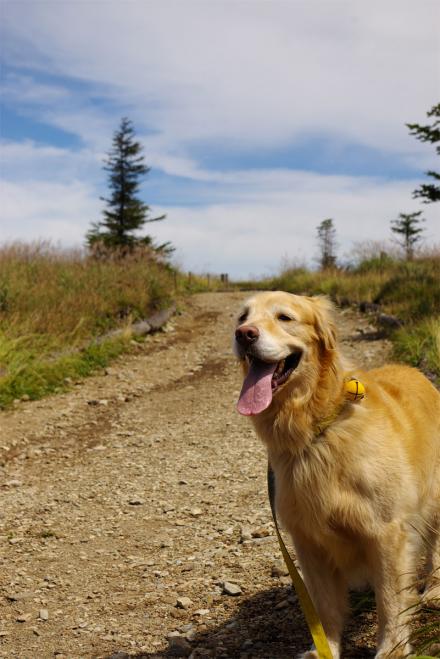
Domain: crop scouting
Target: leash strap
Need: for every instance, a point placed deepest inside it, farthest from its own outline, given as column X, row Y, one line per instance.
column 314, row 624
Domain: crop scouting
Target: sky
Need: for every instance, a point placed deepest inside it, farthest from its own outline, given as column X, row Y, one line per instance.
column 259, row 119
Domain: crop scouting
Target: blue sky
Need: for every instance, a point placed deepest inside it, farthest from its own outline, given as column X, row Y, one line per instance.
column 258, row 118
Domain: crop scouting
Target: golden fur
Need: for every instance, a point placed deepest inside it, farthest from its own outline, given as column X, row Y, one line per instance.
column 360, row 497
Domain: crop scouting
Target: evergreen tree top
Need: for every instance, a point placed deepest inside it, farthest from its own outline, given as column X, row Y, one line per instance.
column 125, row 213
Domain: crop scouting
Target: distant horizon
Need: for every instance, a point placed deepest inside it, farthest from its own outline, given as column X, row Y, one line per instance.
column 257, row 121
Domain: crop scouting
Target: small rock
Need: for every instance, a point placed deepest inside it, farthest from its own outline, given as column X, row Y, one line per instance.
column 245, row 534
column 279, row 569
column 282, row 605
column 173, row 634
column 136, row 501
column 261, row 532
column 387, row 320
column 231, row 589
column 183, row 602
column 43, row 614
column 196, row 512
column 24, row 617
column 201, row 612
column 177, row 613
column 186, row 628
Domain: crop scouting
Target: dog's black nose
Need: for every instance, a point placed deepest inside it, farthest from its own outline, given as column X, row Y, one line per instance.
column 247, row 334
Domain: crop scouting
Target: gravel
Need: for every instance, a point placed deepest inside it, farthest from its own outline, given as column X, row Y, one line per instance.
column 141, row 488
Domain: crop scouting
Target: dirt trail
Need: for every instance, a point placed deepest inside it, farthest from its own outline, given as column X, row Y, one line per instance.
column 143, row 486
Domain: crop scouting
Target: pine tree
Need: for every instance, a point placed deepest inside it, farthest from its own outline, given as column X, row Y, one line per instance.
column 431, row 133
column 125, row 214
column 407, row 226
column 327, row 244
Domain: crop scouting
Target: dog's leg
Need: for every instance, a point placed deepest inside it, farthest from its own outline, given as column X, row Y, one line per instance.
column 328, row 590
column 393, row 566
column 431, row 595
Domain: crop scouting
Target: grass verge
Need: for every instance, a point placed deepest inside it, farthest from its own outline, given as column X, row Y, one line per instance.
column 32, row 376
column 54, row 304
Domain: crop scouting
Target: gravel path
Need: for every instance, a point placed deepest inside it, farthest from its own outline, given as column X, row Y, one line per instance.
column 128, row 502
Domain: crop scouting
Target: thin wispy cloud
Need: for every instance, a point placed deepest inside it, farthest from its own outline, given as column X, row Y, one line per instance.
column 247, row 111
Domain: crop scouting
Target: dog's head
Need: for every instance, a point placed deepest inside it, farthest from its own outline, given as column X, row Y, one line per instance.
column 283, row 341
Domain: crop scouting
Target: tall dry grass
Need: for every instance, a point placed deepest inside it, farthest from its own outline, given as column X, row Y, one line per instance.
column 53, row 302
column 64, row 294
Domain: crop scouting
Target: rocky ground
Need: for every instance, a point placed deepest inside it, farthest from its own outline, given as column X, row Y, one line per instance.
column 134, row 517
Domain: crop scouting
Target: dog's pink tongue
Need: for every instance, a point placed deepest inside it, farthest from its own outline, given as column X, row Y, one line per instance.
column 256, row 393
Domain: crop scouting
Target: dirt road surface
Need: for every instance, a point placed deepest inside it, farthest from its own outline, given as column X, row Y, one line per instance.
column 129, row 501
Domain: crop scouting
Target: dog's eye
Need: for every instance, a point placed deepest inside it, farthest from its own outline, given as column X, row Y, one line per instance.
column 283, row 317
column 243, row 317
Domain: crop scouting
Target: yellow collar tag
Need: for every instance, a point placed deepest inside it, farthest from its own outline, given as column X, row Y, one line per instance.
column 354, row 390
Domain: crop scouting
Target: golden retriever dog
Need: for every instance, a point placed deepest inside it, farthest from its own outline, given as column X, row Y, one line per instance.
column 357, row 482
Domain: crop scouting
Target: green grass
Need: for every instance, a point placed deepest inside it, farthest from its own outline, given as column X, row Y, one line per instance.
column 419, row 345
column 32, row 374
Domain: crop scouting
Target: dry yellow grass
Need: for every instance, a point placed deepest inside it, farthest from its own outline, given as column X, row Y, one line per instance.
column 53, row 301
column 47, row 291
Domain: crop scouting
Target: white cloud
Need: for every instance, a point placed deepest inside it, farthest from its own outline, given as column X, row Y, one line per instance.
column 273, row 219
column 257, row 74
column 29, row 161
column 56, row 211
column 249, row 76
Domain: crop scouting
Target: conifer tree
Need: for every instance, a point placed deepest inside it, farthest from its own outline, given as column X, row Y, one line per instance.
column 407, row 227
column 429, row 192
column 125, row 214
column 327, row 244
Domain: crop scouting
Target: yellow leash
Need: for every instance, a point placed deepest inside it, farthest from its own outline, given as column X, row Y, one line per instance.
column 354, row 391
column 307, row 606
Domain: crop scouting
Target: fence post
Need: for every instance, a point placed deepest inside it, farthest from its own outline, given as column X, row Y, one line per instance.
column 224, row 278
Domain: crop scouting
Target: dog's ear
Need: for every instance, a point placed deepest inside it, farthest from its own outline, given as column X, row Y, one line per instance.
column 324, row 325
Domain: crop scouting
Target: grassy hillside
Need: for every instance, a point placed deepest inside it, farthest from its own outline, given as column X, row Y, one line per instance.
column 53, row 304
column 408, row 290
